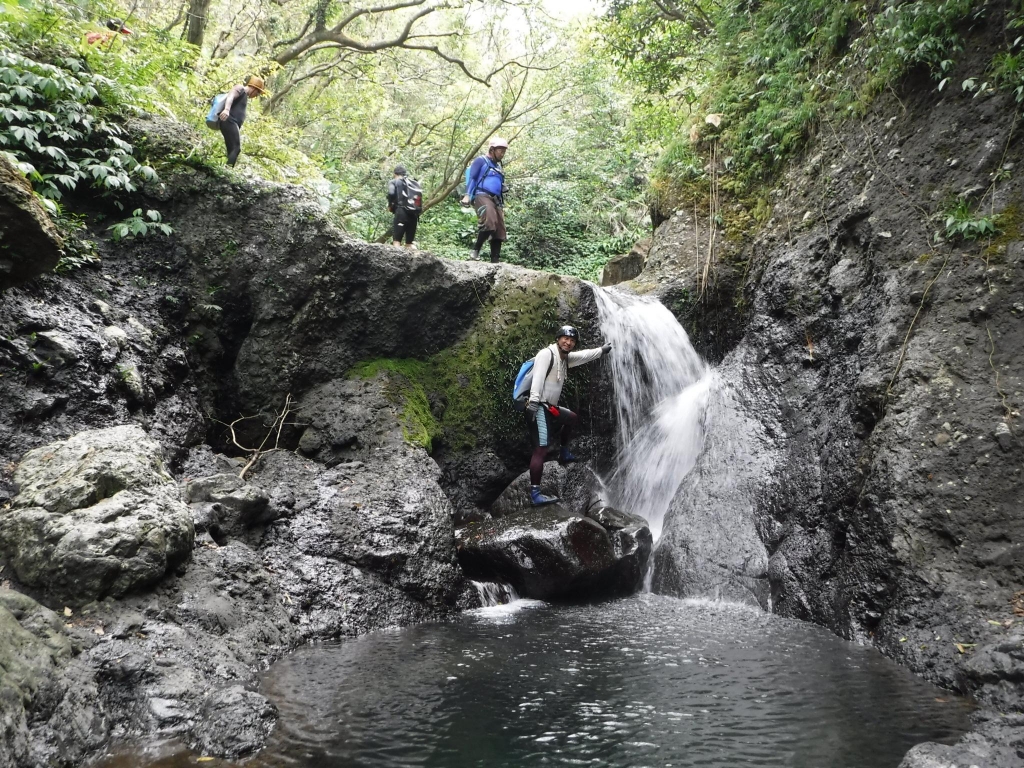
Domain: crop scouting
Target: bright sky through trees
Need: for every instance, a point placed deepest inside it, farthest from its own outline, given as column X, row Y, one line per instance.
column 568, row 9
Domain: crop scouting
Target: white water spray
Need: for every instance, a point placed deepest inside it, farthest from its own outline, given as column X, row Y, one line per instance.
column 662, row 391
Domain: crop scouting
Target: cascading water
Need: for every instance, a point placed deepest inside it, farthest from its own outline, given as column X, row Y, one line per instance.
column 492, row 593
column 662, row 391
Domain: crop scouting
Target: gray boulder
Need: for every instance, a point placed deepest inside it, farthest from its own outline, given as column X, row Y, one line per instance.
column 627, row 266
column 579, row 547
column 995, row 672
column 995, row 742
column 96, row 515
column 29, row 243
column 228, row 503
column 235, row 722
column 550, row 553
column 33, row 646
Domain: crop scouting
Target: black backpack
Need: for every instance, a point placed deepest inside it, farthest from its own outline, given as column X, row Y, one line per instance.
column 411, row 196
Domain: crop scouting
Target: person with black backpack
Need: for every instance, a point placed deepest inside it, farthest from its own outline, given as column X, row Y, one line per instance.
column 405, row 200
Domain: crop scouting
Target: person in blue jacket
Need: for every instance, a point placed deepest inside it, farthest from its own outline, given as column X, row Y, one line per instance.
column 485, row 188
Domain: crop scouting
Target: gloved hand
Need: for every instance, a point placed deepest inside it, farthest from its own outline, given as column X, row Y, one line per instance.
column 606, row 349
column 531, row 410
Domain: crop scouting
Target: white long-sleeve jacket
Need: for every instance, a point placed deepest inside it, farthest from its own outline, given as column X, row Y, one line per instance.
column 547, row 388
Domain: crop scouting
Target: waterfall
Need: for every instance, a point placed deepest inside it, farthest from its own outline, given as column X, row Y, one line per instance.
column 493, row 593
column 662, row 391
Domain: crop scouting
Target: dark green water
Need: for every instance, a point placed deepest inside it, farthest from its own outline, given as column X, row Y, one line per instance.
column 646, row 681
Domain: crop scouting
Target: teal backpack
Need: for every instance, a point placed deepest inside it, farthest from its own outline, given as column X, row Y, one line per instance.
column 216, row 107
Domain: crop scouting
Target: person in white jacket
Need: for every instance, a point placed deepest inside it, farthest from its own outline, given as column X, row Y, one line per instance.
column 546, row 420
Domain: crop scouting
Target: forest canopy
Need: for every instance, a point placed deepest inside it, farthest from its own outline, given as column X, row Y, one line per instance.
column 628, row 110
column 355, row 88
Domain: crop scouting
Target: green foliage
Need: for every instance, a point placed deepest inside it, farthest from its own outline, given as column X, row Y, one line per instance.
column 774, row 69
column 139, row 224
column 658, row 52
column 913, row 34
column 964, row 224
column 55, row 122
column 79, row 249
column 447, row 230
column 550, row 229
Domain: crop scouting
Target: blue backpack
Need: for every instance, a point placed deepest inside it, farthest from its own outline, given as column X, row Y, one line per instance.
column 216, row 107
column 522, row 385
column 491, row 181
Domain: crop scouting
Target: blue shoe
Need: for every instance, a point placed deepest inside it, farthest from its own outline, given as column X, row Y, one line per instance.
column 538, row 499
column 565, row 456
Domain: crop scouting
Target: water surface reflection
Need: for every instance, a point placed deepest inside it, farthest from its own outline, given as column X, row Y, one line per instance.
column 646, row 681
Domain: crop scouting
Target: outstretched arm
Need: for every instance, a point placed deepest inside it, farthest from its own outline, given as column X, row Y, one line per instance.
column 584, row 356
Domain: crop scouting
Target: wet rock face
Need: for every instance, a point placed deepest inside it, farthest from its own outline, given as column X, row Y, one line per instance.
column 29, row 243
column 33, row 648
column 883, row 376
column 96, row 515
column 553, row 552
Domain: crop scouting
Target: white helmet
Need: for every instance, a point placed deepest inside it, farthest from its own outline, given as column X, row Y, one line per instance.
column 496, row 142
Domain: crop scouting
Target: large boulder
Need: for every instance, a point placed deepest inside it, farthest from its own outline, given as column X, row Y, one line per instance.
column 29, row 243
column 627, row 266
column 96, row 515
column 360, row 545
column 578, row 548
column 995, row 672
column 226, row 504
column 550, row 553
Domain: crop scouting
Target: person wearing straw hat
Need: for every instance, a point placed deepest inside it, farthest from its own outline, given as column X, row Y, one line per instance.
column 233, row 114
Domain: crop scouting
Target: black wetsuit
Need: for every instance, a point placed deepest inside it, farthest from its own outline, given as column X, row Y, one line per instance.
column 229, row 128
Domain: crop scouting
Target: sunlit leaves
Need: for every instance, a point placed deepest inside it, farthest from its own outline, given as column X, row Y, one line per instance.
column 51, row 120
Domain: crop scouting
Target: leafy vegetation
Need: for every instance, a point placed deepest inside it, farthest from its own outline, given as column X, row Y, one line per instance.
column 773, row 71
column 55, row 126
column 964, row 224
column 139, row 224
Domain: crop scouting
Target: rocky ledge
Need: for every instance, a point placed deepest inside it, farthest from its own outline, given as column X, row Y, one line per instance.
column 579, row 548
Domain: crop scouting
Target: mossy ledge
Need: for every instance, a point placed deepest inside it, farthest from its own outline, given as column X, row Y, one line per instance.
column 462, row 394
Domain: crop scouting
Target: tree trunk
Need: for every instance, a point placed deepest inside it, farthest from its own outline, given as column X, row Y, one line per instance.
column 198, row 11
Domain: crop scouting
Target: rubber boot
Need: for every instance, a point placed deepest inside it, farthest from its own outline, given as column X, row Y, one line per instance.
column 538, row 499
column 565, row 456
column 474, row 255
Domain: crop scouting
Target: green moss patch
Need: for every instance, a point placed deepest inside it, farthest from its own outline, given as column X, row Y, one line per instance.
column 463, row 393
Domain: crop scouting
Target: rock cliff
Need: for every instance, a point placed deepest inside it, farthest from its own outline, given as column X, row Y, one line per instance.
column 213, row 448
column 865, row 464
